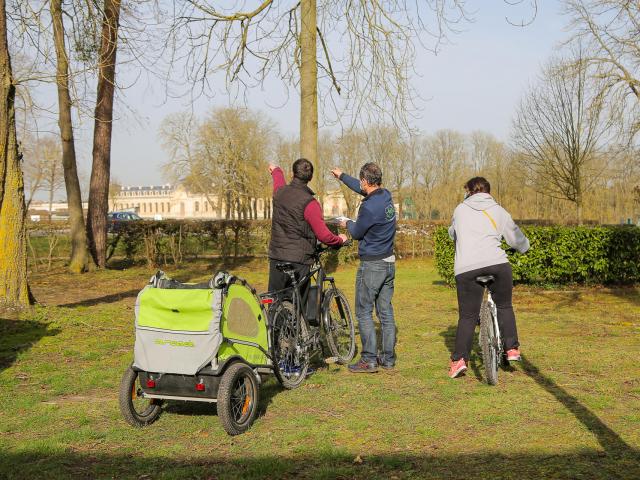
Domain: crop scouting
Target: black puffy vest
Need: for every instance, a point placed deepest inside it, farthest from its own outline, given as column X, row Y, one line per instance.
column 292, row 239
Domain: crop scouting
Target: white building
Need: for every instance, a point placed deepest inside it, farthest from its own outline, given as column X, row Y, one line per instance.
column 167, row 201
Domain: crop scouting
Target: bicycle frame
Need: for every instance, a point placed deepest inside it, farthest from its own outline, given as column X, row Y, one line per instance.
column 316, row 277
column 494, row 317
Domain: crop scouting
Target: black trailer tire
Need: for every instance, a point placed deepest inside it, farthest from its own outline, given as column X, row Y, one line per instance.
column 129, row 396
column 238, row 397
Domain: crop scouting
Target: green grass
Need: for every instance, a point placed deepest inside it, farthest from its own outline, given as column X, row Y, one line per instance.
column 570, row 410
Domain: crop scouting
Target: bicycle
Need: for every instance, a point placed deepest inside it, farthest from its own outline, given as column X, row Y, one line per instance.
column 490, row 340
column 294, row 339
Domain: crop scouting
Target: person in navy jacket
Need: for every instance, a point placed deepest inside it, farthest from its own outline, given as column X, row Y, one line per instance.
column 375, row 229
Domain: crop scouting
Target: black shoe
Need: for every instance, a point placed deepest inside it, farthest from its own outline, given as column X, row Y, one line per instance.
column 363, row 367
column 386, row 365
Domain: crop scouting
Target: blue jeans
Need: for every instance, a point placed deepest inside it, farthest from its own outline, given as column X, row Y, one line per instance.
column 374, row 286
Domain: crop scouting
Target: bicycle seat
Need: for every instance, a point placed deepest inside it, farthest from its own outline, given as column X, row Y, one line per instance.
column 285, row 267
column 485, row 280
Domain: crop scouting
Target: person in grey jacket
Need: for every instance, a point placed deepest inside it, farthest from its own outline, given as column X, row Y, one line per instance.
column 479, row 224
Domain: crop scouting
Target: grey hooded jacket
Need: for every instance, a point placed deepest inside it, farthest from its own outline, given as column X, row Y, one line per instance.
column 478, row 226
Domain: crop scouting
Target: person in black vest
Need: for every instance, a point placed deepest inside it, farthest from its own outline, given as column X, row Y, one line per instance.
column 297, row 223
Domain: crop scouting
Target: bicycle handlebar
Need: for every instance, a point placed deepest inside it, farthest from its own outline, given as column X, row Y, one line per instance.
column 321, row 247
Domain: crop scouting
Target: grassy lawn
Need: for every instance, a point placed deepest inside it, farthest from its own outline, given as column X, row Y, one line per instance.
column 570, row 410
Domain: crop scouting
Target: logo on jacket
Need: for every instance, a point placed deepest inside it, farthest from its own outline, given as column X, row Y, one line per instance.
column 390, row 212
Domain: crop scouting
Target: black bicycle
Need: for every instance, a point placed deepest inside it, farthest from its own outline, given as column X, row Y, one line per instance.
column 297, row 330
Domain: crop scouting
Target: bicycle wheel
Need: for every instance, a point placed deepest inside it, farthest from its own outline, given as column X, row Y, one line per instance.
column 488, row 344
column 290, row 351
column 238, row 397
column 136, row 410
column 338, row 326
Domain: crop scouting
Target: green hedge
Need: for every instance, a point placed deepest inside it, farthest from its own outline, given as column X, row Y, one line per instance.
column 560, row 255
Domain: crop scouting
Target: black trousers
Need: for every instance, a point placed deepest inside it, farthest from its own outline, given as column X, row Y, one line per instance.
column 470, row 299
column 279, row 280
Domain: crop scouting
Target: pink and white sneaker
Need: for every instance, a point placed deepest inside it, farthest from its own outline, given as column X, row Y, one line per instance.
column 457, row 368
column 513, row 355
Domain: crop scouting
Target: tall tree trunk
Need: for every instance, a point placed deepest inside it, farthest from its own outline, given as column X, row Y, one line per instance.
column 52, row 180
column 14, row 289
column 79, row 259
column 100, row 171
column 308, row 83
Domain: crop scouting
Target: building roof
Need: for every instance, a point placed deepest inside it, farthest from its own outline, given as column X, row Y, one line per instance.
column 146, row 188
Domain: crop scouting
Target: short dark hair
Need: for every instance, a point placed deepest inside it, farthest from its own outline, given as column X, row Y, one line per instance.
column 371, row 173
column 303, row 170
column 478, row 185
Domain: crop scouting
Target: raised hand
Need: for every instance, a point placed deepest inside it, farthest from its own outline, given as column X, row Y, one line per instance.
column 336, row 172
column 272, row 167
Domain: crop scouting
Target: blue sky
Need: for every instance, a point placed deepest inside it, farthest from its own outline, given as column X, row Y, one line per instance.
column 473, row 84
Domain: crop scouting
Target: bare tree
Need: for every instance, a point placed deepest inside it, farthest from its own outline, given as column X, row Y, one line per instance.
column 327, row 158
column 351, row 155
column 43, row 168
column 387, row 148
column 14, row 288
column 79, row 258
column 296, row 40
column 560, row 127
column 447, row 155
column 607, row 32
column 225, row 156
column 422, row 176
column 100, row 171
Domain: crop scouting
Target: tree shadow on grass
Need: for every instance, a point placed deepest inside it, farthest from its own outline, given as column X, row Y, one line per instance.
column 16, row 336
column 630, row 294
column 215, row 263
column 561, row 298
column 112, row 298
column 609, row 440
column 328, row 464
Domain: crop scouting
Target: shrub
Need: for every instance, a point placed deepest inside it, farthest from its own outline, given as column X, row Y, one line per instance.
column 561, row 255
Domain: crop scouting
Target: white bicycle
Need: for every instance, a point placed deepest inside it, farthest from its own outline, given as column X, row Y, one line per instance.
column 490, row 340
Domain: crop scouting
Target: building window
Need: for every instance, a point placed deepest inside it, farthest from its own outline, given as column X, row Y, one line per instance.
column 168, row 207
column 144, row 207
column 206, row 206
column 156, row 207
column 197, row 206
column 162, row 206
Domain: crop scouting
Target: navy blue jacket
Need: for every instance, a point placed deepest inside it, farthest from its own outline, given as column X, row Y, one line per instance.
column 375, row 227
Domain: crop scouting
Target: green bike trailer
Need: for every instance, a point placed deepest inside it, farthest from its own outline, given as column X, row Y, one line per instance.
column 204, row 342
